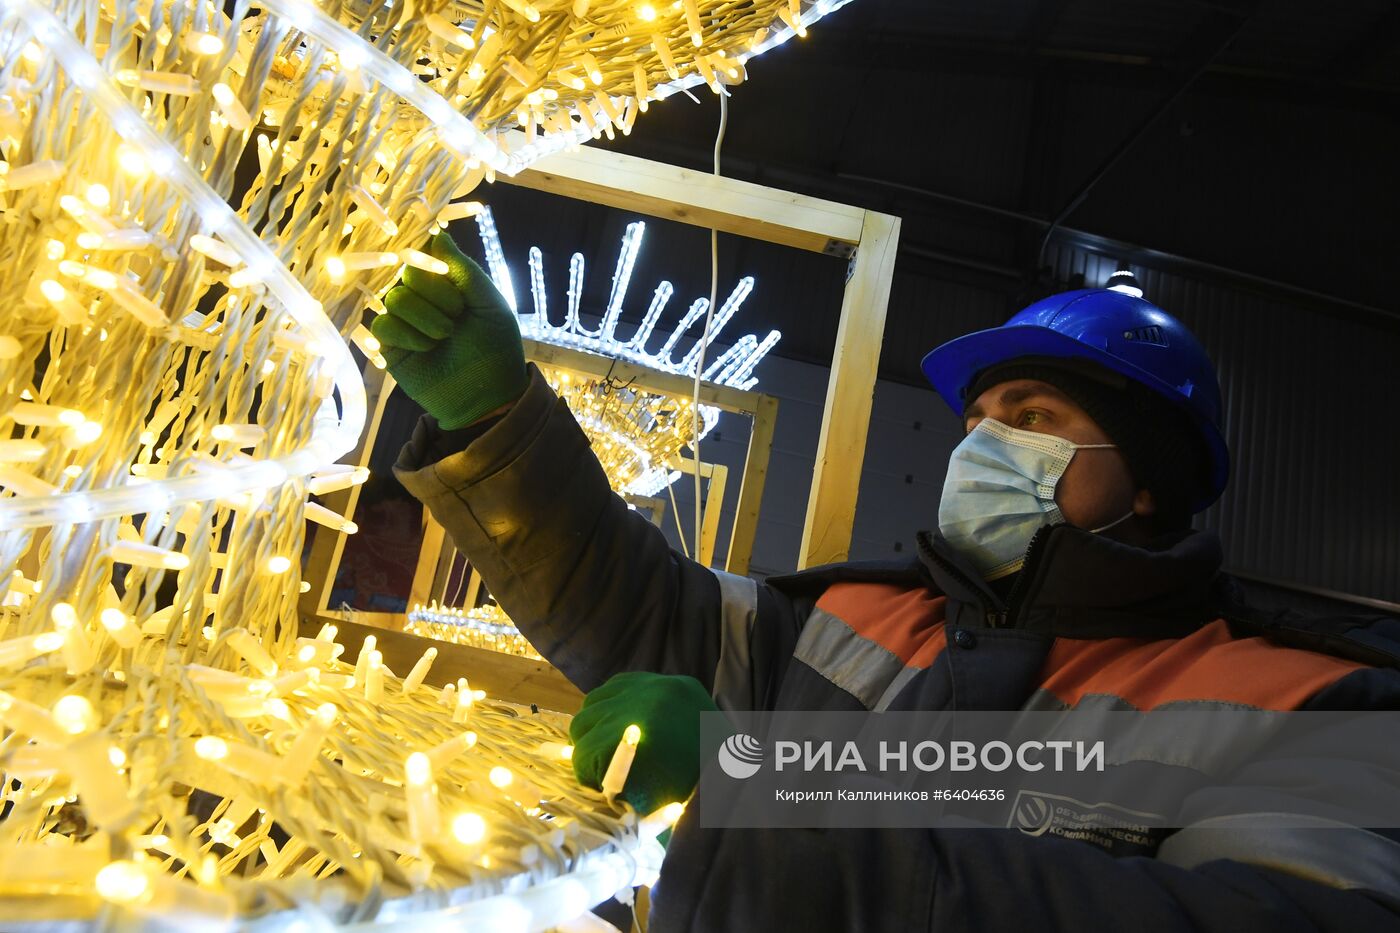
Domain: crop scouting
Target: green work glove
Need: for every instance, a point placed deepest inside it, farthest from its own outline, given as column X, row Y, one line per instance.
column 451, row 340
column 667, row 709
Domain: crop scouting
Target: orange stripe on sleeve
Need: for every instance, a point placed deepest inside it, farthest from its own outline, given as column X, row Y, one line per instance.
column 932, row 647
column 1206, row 665
column 906, row 622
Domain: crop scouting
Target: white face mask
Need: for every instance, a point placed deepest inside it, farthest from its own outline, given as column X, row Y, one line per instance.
column 1000, row 490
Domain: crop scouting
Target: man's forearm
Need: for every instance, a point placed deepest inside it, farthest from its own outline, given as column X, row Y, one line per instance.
column 447, row 443
column 896, row 881
column 593, row 585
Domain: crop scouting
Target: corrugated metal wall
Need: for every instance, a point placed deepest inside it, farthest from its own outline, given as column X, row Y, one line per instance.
column 1313, row 501
column 1314, row 497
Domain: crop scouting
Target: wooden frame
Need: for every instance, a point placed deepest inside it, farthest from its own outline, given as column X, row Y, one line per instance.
column 653, row 506
column 716, row 476
column 850, row 392
column 438, row 556
column 503, row 676
column 762, row 408
column 868, row 238
column 328, row 545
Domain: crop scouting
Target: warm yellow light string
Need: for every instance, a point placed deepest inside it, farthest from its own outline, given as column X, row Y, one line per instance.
column 174, row 748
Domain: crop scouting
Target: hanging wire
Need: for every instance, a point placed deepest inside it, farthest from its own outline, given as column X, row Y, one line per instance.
column 705, row 336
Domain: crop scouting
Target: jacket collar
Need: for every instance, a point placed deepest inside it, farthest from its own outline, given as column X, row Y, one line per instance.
column 1078, row 584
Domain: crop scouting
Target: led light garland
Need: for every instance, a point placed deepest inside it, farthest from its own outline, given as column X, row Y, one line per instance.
column 194, row 389
column 327, row 443
column 603, row 341
column 481, row 627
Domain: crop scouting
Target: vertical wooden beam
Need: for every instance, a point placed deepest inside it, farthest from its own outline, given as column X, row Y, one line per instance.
column 447, row 556
column 473, row 589
column 714, row 504
column 741, row 537
column 327, row 544
column 709, row 529
column 831, row 506
column 429, row 556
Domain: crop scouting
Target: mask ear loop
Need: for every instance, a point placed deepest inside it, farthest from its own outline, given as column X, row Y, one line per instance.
column 1119, row 521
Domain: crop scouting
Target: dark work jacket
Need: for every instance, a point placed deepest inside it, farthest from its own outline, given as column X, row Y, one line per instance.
column 597, row 590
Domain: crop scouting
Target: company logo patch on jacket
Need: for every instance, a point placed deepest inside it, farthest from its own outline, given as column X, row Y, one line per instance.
column 1117, row 830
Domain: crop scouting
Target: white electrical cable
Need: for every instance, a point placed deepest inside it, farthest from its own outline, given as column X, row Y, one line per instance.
column 705, row 335
column 676, row 513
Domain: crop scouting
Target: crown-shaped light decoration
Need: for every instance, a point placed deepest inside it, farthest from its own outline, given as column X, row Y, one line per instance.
column 637, row 435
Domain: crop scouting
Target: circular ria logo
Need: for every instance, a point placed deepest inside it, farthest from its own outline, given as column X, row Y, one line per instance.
column 740, row 756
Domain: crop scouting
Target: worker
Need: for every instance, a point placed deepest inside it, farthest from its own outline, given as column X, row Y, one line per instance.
column 1059, row 569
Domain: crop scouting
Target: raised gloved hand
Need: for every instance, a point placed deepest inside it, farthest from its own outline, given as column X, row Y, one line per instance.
column 667, row 709
column 451, row 340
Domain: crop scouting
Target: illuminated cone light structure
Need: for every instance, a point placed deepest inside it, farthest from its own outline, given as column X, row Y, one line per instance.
column 200, row 202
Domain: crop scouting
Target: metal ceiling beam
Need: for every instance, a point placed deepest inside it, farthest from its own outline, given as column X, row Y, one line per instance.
column 1366, row 47
column 1142, row 255
column 898, row 53
column 1043, row 17
column 1206, row 44
column 987, row 272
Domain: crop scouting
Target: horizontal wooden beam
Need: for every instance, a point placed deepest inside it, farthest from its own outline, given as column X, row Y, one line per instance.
column 692, row 197
column 596, row 367
column 502, row 676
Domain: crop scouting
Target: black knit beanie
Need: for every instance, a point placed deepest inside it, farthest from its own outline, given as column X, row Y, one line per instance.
column 1162, row 448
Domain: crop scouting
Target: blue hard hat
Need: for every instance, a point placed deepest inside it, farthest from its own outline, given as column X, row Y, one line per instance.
column 1123, row 334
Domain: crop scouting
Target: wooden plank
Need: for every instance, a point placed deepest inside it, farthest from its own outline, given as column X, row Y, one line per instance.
column 597, row 367
column 751, row 485
column 391, row 621
column 502, row 676
column 709, row 529
column 429, row 556
column 443, row 571
column 714, row 503
column 687, row 466
column 473, row 590
column 831, row 506
column 328, row 545
column 653, row 506
column 695, row 197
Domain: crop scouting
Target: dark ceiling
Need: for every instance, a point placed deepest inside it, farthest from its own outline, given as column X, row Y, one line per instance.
column 1253, row 144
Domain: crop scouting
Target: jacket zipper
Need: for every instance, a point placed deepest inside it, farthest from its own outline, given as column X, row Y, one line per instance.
column 1013, row 599
column 988, row 613
column 998, row 617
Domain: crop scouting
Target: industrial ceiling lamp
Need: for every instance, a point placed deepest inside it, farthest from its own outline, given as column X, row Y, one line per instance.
column 1124, row 281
